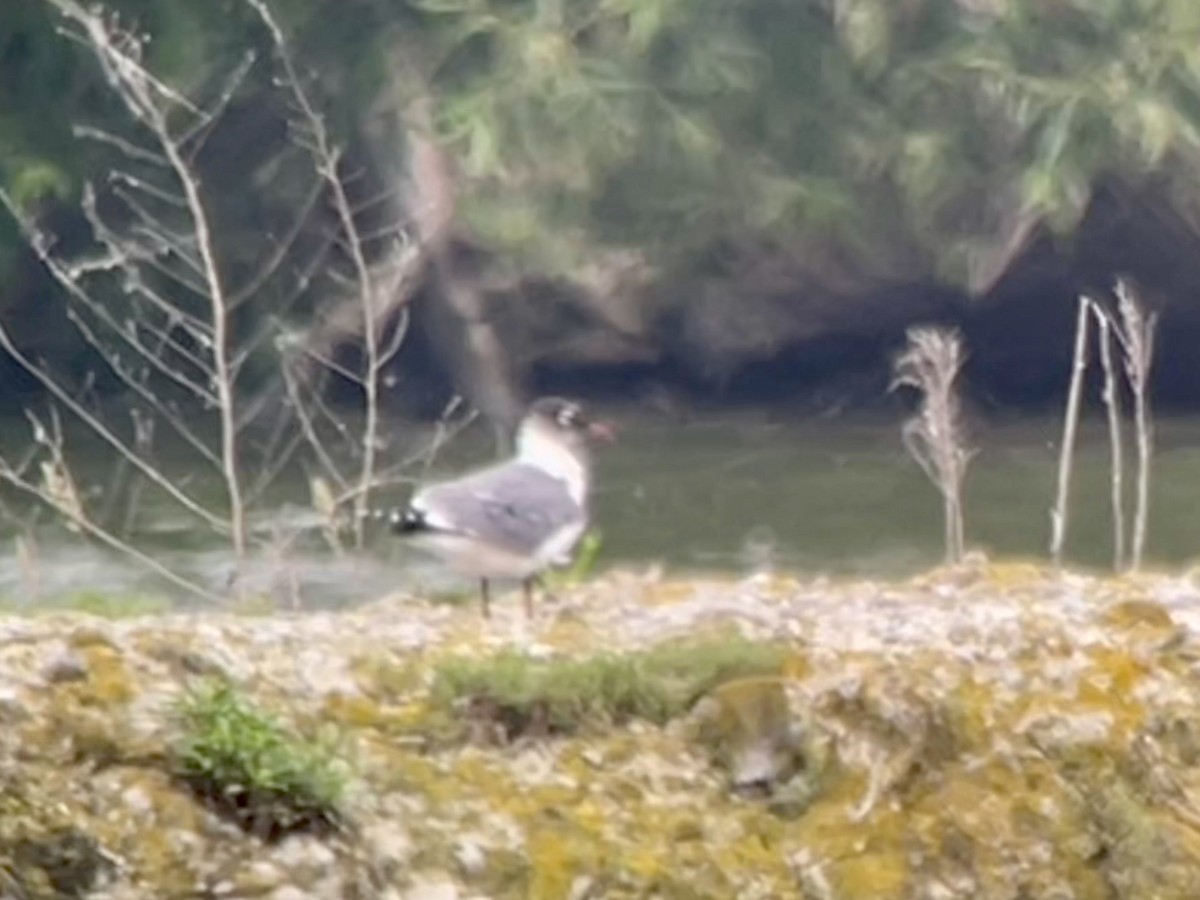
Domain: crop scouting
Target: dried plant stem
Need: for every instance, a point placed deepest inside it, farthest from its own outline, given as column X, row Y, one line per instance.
column 1058, row 515
column 150, row 103
column 57, row 490
column 370, row 286
column 152, row 293
column 223, row 374
column 64, row 396
column 1112, row 404
column 934, row 436
column 1136, row 336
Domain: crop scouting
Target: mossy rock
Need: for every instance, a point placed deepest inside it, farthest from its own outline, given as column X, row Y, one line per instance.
column 1143, row 622
column 749, row 727
column 63, row 863
column 43, row 854
column 511, row 695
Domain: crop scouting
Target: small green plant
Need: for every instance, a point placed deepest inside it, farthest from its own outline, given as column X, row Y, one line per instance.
column 583, row 566
column 566, row 695
column 251, row 768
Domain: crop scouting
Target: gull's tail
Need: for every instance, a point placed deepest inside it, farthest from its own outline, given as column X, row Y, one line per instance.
column 407, row 521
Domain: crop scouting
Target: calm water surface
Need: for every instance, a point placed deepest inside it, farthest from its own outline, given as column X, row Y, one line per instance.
column 844, row 498
column 729, row 492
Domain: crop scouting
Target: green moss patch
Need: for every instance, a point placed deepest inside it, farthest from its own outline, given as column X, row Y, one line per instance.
column 513, row 694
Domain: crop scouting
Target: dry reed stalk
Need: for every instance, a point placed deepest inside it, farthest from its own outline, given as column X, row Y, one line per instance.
column 1112, row 404
column 1059, row 513
column 934, row 436
column 1136, row 337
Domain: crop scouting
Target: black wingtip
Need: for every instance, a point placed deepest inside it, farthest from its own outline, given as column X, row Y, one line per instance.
column 407, row 521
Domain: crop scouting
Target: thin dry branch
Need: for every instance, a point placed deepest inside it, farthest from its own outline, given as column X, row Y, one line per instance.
column 130, row 149
column 70, row 403
column 195, row 138
column 444, row 431
column 57, row 491
column 64, row 277
column 275, row 259
column 329, row 160
column 150, row 102
column 138, row 385
column 308, row 426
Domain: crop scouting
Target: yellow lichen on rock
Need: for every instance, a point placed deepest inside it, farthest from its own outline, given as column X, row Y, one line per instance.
column 108, row 680
column 992, row 732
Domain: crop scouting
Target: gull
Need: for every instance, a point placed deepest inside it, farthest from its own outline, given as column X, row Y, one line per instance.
column 515, row 518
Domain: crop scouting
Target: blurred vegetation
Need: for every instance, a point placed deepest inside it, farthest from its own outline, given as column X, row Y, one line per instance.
column 897, row 138
column 93, row 603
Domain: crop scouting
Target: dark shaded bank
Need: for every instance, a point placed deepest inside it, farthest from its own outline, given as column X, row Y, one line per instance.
column 830, row 350
column 802, row 333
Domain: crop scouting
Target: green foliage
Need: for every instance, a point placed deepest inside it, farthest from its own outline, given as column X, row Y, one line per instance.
column 568, row 695
column 674, row 128
column 863, row 136
column 582, row 567
column 251, row 768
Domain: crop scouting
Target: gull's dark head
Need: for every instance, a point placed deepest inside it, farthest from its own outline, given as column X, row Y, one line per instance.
column 565, row 420
column 555, row 436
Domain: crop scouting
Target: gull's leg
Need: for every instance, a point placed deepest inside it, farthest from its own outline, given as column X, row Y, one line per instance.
column 485, row 596
column 527, row 585
column 547, row 597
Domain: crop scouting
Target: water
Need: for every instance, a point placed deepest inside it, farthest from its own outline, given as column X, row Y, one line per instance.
column 843, row 498
column 731, row 493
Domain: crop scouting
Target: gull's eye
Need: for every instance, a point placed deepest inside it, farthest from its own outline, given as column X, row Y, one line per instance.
column 568, row 417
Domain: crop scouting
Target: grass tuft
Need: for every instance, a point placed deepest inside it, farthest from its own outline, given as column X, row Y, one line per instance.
column 248, row 766
column 567, row 695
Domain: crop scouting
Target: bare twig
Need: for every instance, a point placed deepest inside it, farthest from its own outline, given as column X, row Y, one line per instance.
column 369, row 288
column 57, row 490
column 71, row 283
column 152, row 295
column 149, row 101
column 308, row 427
column 65, row 397
column 130, row 149
column 273, row 261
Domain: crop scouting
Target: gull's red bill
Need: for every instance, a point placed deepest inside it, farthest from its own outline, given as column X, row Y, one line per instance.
column 602, row 431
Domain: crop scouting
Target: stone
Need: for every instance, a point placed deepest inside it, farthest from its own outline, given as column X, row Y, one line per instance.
column 388, row 845
column 64, row 667
column 259, row 877
column 471, row 856
column 433, row 890
column 304, row 857
column 11, row 707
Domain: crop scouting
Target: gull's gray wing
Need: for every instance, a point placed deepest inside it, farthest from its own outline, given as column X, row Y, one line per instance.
column 513, row 506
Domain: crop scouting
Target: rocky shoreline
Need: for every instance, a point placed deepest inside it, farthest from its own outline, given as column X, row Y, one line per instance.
column 990, row 731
